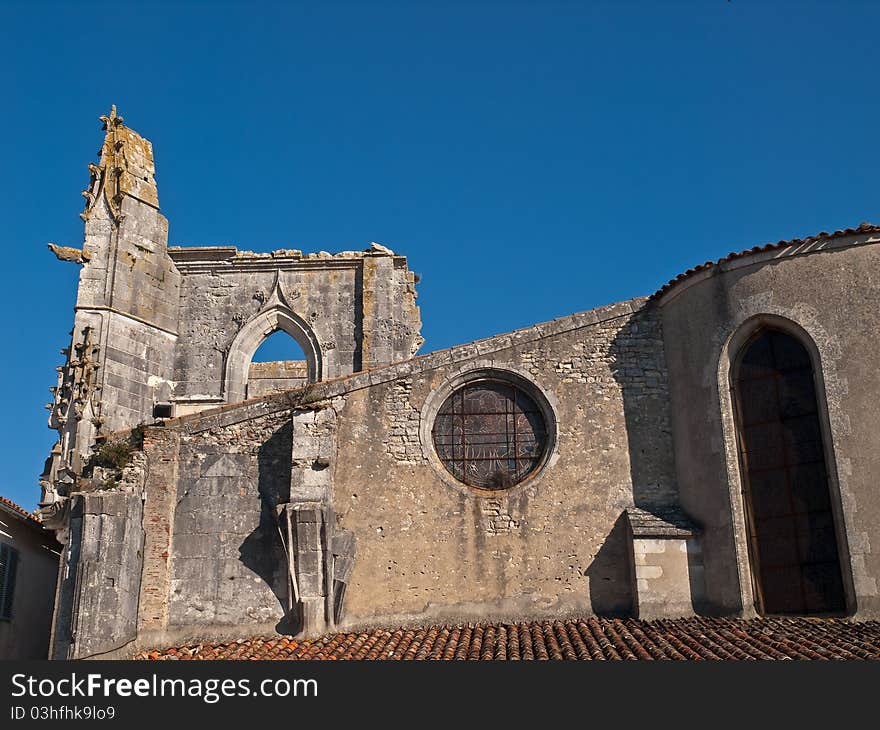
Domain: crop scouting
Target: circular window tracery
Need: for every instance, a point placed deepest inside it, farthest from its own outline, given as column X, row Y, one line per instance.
column 490, row 434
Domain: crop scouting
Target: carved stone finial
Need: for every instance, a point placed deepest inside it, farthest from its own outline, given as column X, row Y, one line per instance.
column 125, row 168
column 111, row 120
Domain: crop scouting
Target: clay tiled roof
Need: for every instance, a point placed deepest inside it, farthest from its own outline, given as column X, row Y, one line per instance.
column 19, row 511
column 818, row 238
column 588, row 638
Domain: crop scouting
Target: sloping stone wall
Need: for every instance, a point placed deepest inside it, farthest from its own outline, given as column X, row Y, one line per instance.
column 428, row 547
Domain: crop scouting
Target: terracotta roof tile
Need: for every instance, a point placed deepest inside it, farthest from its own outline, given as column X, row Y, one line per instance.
column 819, row 237
column 697, row 638
column 21, row 511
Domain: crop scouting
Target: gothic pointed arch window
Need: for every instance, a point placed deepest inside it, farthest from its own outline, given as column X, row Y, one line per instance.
column 272, row 320
column 792, row 535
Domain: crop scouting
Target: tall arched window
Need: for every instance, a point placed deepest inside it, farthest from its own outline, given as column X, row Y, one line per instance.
column 792, row 536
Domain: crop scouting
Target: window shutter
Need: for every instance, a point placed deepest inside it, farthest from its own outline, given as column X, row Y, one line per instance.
column 4, row 560
column 8, row 565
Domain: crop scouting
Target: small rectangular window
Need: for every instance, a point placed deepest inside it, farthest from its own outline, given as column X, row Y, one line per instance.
column 8, row 566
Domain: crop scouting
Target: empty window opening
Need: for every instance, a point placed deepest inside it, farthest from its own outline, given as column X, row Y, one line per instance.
column 278, row 364
column 791, row 530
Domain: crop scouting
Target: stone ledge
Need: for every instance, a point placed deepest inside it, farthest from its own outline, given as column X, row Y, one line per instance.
column 660, row 522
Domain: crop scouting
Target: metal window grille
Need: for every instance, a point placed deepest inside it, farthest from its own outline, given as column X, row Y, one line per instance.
column 490, row 435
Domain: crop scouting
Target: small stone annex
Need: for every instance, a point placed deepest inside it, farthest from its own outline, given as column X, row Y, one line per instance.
column 709, row 450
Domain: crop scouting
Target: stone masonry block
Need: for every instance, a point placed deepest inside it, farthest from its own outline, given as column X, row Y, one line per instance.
column 310, row 584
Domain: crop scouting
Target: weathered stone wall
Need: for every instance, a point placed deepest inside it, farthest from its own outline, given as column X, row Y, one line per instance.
column 97, row 604
column 140, row 279
column 129, row 291
column 428, row 547
column 271, row 377
column 137, row 372
column 390, row 321
column 228, row 566
column 358, row 310
column 828, row 295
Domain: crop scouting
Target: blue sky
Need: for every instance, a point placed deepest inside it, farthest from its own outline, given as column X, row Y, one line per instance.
column 531, row 159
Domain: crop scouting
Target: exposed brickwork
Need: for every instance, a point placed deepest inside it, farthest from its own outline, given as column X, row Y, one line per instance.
column 161, row 448
column 498, row 521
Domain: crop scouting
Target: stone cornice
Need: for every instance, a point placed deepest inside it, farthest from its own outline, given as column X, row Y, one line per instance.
column 222, row 259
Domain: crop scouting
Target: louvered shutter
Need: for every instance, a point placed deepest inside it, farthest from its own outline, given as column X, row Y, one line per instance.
column 8, row 565
column 4, row 561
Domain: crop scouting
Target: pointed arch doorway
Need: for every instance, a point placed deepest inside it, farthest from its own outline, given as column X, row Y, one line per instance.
column 792, row 536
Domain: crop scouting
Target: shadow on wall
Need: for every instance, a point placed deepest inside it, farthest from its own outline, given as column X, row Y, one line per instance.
column 637, row 359
column 262, row 551
column 638, row 363
column 611, row 585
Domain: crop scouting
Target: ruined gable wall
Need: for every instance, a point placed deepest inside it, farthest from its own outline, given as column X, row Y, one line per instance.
column 215, row 306
column 361, row 308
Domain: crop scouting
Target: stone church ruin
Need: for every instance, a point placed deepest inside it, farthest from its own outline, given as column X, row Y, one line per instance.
column 712, row 448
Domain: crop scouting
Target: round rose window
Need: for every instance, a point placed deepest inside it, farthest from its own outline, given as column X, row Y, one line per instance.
column 490, row 434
